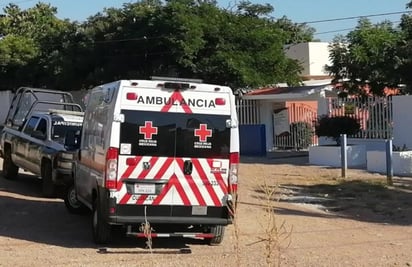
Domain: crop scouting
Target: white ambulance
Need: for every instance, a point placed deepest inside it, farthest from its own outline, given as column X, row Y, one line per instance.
column 162, row 151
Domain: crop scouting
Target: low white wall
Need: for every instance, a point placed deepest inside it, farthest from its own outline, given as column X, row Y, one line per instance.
column 401, row 162
column 331, row 156
column 370, row 144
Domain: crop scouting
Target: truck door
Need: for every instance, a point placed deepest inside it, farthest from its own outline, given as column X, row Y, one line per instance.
column 23, row 141
column 36, row 145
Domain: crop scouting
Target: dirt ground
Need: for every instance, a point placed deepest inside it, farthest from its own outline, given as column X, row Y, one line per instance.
column 314, row 218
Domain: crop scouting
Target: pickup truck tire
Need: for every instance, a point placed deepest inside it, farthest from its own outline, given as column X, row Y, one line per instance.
column 10, row 169
column 219, row 232
column 101, row 229
column 73, row 205
column 48, row 187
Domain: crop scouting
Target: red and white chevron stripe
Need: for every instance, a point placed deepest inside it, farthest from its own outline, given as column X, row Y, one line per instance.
column 203, row 187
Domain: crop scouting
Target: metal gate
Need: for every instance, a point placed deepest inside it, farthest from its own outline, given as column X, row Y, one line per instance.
column 373, row 113
column 248, row 111
column 299, row 129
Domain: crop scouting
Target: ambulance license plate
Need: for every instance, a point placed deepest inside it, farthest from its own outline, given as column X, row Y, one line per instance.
column 144, row 189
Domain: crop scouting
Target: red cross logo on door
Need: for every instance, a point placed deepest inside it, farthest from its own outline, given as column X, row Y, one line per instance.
column 203, row 132
column 148, row 130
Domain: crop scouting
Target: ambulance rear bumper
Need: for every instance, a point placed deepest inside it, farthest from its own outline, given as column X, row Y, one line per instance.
column 164, row 214
column 126, row 220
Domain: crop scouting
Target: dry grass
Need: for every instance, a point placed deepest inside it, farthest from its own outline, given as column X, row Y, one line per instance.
column 147, row 229
column 236, row 233
column 277, row 235
column 273, row 234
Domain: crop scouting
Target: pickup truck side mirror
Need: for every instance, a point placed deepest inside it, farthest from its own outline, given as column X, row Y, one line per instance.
column 39, row 135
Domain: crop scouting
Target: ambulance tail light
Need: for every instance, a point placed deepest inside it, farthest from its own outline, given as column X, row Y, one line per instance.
column 111, row 168
column 131, row 96
column 220, row 101
column 233, row 173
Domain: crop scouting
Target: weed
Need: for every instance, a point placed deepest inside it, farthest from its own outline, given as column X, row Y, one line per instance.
column 147, row 230
column 400, row 148
column 277, row 237
column 236, row 232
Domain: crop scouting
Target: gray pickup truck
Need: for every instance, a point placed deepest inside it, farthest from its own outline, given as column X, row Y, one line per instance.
column 41, row 136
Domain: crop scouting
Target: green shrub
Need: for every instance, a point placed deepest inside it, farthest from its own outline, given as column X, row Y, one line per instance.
column 333, row 127
column 302, row 134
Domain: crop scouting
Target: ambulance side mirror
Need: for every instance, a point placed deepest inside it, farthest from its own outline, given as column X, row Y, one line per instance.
column 231, row 124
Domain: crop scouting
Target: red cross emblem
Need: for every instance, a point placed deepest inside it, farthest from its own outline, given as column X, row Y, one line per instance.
column 148, row 130
column 203, row 133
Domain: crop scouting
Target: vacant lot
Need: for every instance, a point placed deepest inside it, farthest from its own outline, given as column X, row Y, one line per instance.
column 319, row 220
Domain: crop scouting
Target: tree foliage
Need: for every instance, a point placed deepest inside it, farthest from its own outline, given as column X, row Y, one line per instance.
column 378, row 55
column 368, row 55
column 242, row 47
column 405, row 49
column 32, row 45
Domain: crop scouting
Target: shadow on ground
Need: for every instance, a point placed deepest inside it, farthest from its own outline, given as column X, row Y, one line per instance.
column 358, row 200
column 26, row 215
column 281, row 157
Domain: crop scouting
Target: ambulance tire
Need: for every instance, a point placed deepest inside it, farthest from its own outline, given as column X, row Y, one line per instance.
column 10, row 169
column 73, row 205
column 101, row 229
column 218, row 231
column 48, row 187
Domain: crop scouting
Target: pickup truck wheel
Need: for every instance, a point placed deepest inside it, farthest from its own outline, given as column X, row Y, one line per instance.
column 101, row 229
column 10, row 169
column 73, row 205
column 219, row 232
column 48, row 188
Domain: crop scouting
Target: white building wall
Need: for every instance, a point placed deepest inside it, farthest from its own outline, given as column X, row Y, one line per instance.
column 299, row 52
column 313, row 57
column 318, row 58
column 323, row 106
column 402, row 121
column 266, row 118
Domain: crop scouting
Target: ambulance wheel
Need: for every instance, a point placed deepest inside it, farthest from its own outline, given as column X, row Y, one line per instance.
column 73, row 205
column 10, row 169
column 48, row 187
column 218, row 231
column 101, row 229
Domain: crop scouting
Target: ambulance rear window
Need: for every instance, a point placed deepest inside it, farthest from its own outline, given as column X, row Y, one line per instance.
column 167, row 134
